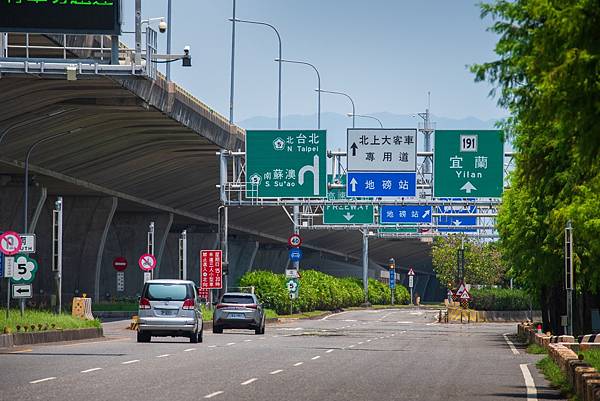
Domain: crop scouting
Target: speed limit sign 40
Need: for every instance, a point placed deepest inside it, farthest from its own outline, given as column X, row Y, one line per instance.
column 294, row 241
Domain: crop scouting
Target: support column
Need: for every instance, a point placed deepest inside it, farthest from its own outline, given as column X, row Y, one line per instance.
column 365, row 259
column 161, row 246
column 38, row 209
column 101, row 246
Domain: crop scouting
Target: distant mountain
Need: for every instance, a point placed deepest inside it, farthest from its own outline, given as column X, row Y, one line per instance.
column 336, row 124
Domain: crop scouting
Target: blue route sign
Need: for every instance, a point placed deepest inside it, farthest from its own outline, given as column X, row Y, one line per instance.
column 392, row 279
column 381, row 184
column 295, row 254
column 456, row 223
column 393, row 214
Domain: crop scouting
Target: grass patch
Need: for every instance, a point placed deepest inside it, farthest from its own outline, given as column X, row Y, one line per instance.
column 536, row 349
column 41, row 321
column 592, row 357
column 556, row 377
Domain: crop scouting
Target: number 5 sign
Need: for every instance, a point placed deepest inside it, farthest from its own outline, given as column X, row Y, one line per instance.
column 24, row 269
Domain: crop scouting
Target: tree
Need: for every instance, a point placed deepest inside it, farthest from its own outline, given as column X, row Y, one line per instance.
column 548, row 76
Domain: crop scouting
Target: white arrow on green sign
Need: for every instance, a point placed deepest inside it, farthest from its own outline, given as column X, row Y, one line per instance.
column 468, row 164
column 346, row 214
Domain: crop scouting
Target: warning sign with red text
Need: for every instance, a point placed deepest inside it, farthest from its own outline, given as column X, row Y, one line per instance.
column 211, row 269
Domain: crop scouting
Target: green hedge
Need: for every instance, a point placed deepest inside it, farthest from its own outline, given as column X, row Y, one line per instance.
column 500, row 299
column 318, row 291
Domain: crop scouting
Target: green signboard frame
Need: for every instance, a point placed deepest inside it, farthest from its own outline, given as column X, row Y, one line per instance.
column 468, row 164
column 286, row 164
column 337, row 214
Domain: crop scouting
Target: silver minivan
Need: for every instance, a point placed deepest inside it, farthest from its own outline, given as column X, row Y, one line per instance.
column 169, row 308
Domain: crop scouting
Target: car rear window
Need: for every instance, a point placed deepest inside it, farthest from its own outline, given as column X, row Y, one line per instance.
column 168, row 292
column 237, row 299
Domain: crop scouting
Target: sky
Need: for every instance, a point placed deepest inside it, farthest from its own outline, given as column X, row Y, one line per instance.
column 386, row 54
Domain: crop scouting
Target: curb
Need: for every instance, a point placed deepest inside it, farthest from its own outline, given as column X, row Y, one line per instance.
column 15, row 339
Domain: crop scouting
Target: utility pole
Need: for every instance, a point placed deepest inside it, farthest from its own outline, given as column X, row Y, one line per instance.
column 569, row 275
column 57, row 247
column 150, row 247
column 169, row 38
column 183, row 255
column 365, row 258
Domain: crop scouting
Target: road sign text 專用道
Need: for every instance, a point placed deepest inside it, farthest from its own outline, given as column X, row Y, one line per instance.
column 468, row 164
column 286, row 164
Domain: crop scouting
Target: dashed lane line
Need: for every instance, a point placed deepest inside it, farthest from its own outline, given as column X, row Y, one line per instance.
column 249, row 381
column 315, row 357
column 211, row 395
column 352, row 346
column 42, row 380
column 128, row 362
column 163, row 355
column 230, row 344
column 276, row 371
column 298, row 363
column 189, row 349
column 247, row 341
column 90, row 370
column 328, row 351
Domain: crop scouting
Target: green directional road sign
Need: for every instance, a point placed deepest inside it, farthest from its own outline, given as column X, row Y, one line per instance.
column 395, row 229
column 468, row 164
column 346, row 214
column 286, row 164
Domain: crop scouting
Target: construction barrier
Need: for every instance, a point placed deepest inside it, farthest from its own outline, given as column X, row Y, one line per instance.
column 82, row 308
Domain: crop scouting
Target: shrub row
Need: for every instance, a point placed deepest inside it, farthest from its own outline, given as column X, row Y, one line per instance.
column 500, row 299
column 318, row 291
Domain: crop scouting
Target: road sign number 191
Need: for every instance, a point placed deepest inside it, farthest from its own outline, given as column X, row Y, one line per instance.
column 468, row 143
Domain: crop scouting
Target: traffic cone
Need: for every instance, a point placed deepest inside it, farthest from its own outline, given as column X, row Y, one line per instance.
column 539, row 329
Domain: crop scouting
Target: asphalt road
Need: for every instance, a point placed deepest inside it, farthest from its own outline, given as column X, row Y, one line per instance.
column 397, row 354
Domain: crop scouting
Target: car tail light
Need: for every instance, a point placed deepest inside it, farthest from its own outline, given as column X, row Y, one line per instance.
column 188, row 304
column 219, row 306
column 252, row 306
column 144, row 303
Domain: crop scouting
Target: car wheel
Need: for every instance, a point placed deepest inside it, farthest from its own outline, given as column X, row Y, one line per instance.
column 217, row 329
column 143, row 337
column 194, row 337
column 200, row 337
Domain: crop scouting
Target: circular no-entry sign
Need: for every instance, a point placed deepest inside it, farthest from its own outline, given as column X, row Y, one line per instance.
column 147, row 262
column 10, row 243
column 294, row 240
column 120, row 263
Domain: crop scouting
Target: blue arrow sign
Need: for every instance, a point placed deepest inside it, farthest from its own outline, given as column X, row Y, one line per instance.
column 456, row 223
column 295, row 254
column 405, row 214
column 374, row 184
column 392, row 279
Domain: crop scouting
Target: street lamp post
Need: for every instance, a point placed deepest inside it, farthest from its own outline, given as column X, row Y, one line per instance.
column 234, row 20
column 21, row 124
column 318, row 85
column 365, row 116
column 349, row 98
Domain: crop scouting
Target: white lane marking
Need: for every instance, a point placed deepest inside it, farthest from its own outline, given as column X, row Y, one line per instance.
column 42, row 380
column 315, row 357
column 263, row 338
column 189, row 349
column 328, row 351
column 351, row 346
column 349, row 320
column 360, row 343
column 531, row 390
column 211, row 395
column 90, row 370
column 290, row 329
column 128, row 362
column 298, row 364
column 368, row 341
column 230, row 344
column 163, row 355
column 212, row 346
column 249, row 381
column 333, row 314
column 276, row 371
column 404, row 322
column 510, row 344
column 247, row 341
column 275, row 336
column 416, row 313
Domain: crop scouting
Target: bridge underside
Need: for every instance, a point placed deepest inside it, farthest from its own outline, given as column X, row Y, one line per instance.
column 143, row 148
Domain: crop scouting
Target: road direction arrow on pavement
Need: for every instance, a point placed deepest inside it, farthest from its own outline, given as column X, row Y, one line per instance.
column 10, row 243
column 22, row 291
column 468, row 163
column 286, row 164
column 382, row 150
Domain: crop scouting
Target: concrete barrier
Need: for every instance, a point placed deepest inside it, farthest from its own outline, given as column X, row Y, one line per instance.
column 457, row 314
column 82, row 308
column 37, row 337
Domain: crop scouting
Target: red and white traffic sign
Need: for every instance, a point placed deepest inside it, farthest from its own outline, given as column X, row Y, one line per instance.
column 294, row 240
column 211, row 269
column 411, row 272
column 147, row 262
column 10, row 243
column 120, row 263
column 465, row 296
column 461, row 289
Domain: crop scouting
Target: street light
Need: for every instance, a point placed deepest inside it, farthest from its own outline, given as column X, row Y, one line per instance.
column 21, row 124
column 365, row 116
column 318, row 85
column 349, row 98
column 234, row 20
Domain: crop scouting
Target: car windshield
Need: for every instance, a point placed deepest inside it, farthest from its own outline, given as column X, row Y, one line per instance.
column 237, row 299
column 167, row 292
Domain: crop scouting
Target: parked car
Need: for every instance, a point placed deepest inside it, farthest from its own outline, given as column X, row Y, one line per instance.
column 238, row 310
column 169, row 308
